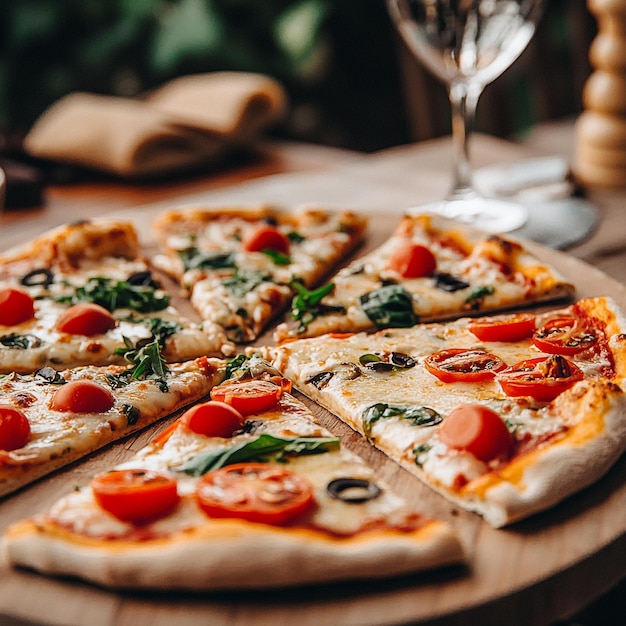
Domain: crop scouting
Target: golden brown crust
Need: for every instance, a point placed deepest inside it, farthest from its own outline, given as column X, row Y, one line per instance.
column 217, row 555
column 65, row 247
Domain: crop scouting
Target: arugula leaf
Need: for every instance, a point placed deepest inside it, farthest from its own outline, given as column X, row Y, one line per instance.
column 117, row 294
column 193, row 259
column 419, row 415
column 390, row 306
column 148, row 364
column 307, row 305
column 277, row 257
column 262, row 449
column 241, row 282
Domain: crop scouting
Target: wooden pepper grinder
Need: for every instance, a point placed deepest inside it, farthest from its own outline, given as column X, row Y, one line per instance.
column 600, row 158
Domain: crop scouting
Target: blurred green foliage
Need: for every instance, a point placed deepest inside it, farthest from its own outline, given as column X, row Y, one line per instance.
column 336, row 58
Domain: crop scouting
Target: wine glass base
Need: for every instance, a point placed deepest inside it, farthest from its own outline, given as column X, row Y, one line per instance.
column 558, row 223
column 488, row 214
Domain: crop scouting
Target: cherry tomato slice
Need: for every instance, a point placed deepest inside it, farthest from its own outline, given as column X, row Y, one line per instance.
column 543, row 378
column 248, row 397
column 213, row 419
column 86, row 318
column 463, row 365
column 16, row 306
column 478, row 430
column 14, row 428
column 257, row 492
column 509, row 328
column 82, row 396
column 136, row 496
column 266, row 238
column 563, row 335
column 412, row 260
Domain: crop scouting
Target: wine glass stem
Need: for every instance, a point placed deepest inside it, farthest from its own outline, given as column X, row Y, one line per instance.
column 463, row 100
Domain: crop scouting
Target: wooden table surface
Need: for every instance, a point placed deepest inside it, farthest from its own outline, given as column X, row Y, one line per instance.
column 534, row 573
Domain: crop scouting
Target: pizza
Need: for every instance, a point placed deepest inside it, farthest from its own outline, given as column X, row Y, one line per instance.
column 430, row 269
column 83, row 295
column 242, row 265
column 49, row 419
column 503, row 415
column 242, row 491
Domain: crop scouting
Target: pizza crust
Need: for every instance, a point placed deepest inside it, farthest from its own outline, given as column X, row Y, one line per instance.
column 214, row 557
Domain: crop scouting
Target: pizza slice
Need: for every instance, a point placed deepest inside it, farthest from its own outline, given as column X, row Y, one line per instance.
column 430, row 269
column 50, row 419
column 243, row 491
column 82, row 295
column 505, row 415
column 242, row 266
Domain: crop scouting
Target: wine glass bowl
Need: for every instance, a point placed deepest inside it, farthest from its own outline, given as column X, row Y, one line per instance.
column 467, row 44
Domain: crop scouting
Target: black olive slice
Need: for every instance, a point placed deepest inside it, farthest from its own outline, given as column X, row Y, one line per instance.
column 353, row 490
column 448, row 282
column 50, row 375
column 42, row 276
column 143, row 279
column 320, row 380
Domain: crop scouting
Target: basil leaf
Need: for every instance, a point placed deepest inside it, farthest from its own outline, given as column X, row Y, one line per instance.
column 390, row 306
column 263, row 448
column 193, row 259
column 418, row 415
column 240, row 283
column 118, row 294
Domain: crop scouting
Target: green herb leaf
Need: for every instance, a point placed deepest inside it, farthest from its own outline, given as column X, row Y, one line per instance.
column 192, row 259
column 390, row 306
column 148, row 362
column 20, row 342
column 241, row 282
column 118, row 294
column 277, row 257
column 262, row 449
column 307, row 305
column 479, row 293
column 418, row 415
column 295, row 237
column 419, row 451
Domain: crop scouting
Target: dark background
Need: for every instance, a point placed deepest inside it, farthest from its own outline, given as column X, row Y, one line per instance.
column 350, row 81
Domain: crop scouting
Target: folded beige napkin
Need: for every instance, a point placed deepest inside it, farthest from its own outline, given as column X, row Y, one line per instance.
column 190, row 121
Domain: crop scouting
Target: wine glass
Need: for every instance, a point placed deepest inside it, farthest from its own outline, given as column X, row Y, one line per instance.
column 467, row 44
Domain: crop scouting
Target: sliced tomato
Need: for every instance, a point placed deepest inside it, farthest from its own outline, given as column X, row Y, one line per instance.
column 412, row 260
column 463, row 365
column 257, row 492
column 86, row 318
column 543, row 378
column 213, row 419
column 248, row 397
column 564, row 335
column 266, row 238
column 14, row 428
column 82, row 396
column 508, row 328
column 16, row 306
column 478, row 430
column 136, row 496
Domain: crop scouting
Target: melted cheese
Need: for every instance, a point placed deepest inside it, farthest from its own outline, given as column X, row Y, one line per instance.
column 352, row 390
column 79, row 511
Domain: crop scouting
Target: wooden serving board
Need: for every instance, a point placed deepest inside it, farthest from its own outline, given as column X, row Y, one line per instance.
column 531, row 573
